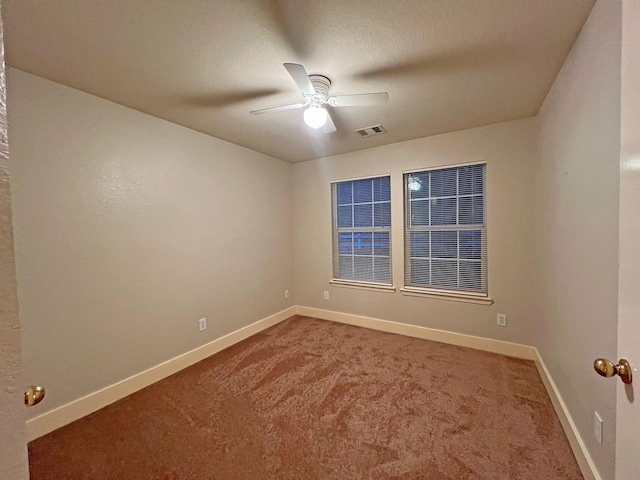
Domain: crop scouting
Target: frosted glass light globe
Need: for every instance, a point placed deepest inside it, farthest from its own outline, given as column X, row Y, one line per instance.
column 315, row 117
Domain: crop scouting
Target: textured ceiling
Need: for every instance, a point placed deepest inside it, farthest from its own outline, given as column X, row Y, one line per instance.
column 447, row 64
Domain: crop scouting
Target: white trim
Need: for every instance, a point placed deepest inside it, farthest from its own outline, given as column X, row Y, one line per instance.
column 362, row 285
column 456, row 297
column 368, row 177
column 441, row 167
column 61, row 416
column 580, row 451
column 443, row 336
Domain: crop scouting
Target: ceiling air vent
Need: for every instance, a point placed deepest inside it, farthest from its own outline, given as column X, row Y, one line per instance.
column 371, row 131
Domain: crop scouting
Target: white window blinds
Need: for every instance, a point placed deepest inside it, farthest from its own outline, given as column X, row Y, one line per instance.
column 361, row 230
column 446, row 230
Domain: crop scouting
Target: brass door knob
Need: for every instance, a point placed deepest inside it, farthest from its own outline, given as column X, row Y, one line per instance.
column 607, row 368
column 33, row 395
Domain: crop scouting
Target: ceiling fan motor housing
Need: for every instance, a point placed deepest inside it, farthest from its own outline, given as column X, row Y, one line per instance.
column 321, row 84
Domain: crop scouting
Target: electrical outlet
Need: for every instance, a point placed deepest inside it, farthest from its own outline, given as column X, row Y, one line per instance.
column 286, row 294
column 597, row 427
column 326, row 295
column 502, row 320
column 202, row 323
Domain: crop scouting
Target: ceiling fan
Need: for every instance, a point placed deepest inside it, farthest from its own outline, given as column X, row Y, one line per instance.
column 315, row 94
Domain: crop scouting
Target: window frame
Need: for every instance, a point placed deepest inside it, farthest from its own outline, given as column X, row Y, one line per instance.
column 460, row 294
column 335, row 231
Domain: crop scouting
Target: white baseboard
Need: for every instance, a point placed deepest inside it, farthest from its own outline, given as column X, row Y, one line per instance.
column 61, row 416
column 580, row 451
column 443, row 336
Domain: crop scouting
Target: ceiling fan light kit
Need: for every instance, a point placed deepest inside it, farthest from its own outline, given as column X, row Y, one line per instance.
column 315, row 92
column 315, row 116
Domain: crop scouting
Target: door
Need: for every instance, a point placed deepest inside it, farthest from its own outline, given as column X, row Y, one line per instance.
column 13, row 451
column 628, row 396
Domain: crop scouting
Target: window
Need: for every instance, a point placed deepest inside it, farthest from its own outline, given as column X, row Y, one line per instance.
column 361, row 230
column 446, row 229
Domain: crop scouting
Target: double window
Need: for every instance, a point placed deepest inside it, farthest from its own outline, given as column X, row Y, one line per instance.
column 362, row 230
column 445, row 230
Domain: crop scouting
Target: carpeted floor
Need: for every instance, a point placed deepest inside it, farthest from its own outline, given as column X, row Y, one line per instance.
column 311, row 399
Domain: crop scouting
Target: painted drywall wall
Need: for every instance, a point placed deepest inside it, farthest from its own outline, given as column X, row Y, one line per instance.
column 509, row 151
column 13, row 440
column 628, row 408
column 128, row 230
column 577, row 226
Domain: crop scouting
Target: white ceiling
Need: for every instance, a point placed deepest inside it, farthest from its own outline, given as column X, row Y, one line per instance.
column 447, row 64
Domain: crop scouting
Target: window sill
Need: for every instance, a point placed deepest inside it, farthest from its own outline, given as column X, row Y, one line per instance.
column 363, row 286
column 454, row 297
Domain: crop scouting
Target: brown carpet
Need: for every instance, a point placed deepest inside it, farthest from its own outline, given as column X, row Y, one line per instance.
column 311, row 399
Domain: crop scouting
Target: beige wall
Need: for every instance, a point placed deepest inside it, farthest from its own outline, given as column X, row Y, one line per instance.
column 577, row 226
column 128, row 230
column 13, row 451
column 509, row 151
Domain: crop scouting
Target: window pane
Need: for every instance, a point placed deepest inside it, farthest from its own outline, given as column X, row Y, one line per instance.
column 471, row 210
column 418, row 184
column 419, row 271
column 444, row 183
column 444, row 273
column 478, row 179
column 471, row 179
column 345, row 267
column 444, row 244
column 478, row 210
column 381, row 243
column 345, row 243
column 471, row 275
column 362, row 190
column 362, row 216
column 345, row 196
column 443, row 211
column 363, row 268
column 382, row 189
column 382, row 269
column 362, row 244
column 382, row 214
column 345, row 216
column 420, row 212
column 471, row 244
column 465, row 181
column 419, row 246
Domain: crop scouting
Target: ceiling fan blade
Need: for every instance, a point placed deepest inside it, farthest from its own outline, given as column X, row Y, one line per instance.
column 363, row 99
column 329, row 127
column 301, row 77
column 277, row 109
column 230, row 97
column 292, row 20
column 458, row 61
